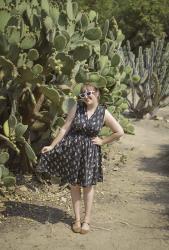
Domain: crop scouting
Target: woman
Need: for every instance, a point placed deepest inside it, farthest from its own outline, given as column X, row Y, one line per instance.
column 75, row 154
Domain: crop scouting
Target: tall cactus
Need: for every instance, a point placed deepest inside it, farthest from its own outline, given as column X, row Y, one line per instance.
column 148, row 78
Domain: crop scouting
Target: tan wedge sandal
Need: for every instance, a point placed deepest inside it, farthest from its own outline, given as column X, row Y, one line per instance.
column 85, row 231
column 75, row 228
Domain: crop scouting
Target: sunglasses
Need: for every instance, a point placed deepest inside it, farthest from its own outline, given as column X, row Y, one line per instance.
column 86, row 94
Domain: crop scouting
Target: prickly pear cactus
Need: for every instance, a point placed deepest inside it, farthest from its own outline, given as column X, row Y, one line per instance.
column 48, row 51
column 6, row 178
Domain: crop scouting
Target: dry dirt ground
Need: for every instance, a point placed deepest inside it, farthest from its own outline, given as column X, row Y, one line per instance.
column 131, row 207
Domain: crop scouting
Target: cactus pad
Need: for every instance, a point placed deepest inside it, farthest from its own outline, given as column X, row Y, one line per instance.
column 84, row 22
column 6, row 128
column 51, row 93
column 13, row 35
column 60, row 42
column 67, row 62
column 30, row 153
column 4, row 157
column 28, row 41
column 92, row 15
column 67, row 104
column 45, row 6
column 93, row 34
column 9, row 181
column 20, row 130
column 82, row 53
column 115, row 61
column 37, row 69
column 5, row 16
column 97, row 80
column 48, row 23
column 33, row 54
column 69, row 9
column 103, row 49
column 76, row 90
column 105, row 29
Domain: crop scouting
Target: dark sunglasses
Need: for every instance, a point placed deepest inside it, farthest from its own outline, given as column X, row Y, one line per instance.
column 86, row 94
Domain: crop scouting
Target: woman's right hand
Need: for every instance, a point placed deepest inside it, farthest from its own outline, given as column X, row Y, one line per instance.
column 46, row 149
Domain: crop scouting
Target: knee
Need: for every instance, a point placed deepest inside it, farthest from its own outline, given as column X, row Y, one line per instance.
column 88, row 188
column 75, row 187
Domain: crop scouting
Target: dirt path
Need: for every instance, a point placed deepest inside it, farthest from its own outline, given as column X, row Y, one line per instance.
column 131, row 207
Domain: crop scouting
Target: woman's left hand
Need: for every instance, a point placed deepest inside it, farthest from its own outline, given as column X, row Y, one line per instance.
column 97, row 140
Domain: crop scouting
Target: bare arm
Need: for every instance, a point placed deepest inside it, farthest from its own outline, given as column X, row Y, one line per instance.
column 63, row 131
column 117, row 130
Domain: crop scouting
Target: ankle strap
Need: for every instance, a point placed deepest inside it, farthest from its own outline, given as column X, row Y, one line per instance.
column 86, row 222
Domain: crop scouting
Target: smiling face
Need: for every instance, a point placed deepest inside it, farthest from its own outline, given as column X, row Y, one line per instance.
column 89, row 94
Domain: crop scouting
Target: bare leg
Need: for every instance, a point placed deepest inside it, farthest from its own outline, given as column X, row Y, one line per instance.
column 88, row 195
column 76, row 196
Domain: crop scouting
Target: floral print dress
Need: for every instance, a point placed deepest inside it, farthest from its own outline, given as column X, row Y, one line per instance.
column 75, row 158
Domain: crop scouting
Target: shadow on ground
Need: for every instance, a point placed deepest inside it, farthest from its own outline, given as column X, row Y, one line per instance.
column 160, row 183
column 158, row 164
column 35, row 212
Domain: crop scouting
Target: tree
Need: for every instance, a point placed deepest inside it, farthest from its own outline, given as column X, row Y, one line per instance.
column 140, row 20
column 104, row 8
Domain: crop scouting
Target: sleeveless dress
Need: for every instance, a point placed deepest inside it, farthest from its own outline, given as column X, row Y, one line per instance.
column 75, row 158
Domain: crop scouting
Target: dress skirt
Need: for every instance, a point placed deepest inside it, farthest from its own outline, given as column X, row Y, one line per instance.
column 75, row 158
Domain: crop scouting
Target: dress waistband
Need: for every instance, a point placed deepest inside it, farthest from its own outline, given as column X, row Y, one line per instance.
column 81, row 133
